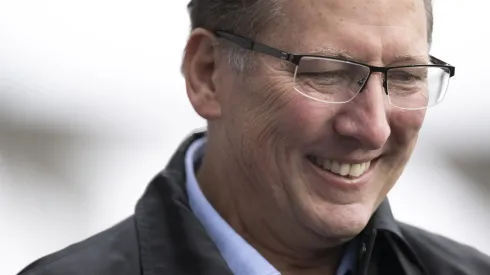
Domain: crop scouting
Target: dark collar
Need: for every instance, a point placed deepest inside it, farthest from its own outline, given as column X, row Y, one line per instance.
column 172, row 241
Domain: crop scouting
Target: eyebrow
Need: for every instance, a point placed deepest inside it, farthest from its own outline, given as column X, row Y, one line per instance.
column 344, row 55
column 416, row 59
column 332, row 52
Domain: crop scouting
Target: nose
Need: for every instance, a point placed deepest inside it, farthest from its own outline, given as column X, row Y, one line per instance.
column 364, row 119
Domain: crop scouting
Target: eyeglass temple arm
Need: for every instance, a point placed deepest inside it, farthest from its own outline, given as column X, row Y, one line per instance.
column 437, row 61
column 255, row 46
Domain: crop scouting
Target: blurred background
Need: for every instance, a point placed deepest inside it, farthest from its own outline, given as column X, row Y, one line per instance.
column 92, row 105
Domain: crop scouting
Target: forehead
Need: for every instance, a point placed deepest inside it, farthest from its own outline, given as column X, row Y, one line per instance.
column 374, row 31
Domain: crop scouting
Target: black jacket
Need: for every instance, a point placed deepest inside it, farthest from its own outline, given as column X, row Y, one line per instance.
column 163, row 237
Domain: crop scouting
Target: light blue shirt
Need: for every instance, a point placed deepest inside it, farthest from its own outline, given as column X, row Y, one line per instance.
column 240, row 256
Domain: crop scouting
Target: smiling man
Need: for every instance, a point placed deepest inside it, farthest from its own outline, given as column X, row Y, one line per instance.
column 313, row 109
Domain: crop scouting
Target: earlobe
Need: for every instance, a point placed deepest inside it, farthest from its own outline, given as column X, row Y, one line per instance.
column 199, row 67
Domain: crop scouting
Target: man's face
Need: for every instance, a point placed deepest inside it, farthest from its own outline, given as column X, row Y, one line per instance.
column 285, row 142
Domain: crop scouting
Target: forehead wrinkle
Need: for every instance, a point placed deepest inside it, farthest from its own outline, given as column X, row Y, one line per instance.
column 347, row 35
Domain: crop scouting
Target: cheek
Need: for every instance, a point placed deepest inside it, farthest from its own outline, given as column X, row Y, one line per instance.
column 305, row 120
column 255, row 116
column 264, row 108
column 405, row 126
column 274, row 122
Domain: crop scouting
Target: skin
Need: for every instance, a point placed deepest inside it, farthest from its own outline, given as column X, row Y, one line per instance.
column 260, row 131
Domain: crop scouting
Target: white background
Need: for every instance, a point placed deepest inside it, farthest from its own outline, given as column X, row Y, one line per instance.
column 92, row 104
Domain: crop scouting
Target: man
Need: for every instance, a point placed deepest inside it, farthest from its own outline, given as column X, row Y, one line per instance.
column 313, row 110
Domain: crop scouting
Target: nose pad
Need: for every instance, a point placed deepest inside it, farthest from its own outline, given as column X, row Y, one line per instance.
column 361, row 81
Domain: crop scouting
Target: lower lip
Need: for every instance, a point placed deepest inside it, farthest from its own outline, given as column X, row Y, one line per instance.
column 344, row 182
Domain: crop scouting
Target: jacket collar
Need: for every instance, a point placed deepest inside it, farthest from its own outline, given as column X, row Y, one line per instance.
column 172, row 241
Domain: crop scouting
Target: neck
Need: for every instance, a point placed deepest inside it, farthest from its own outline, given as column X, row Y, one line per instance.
column 221, row 182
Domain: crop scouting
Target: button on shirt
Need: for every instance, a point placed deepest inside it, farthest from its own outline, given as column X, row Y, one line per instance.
column 240, row 256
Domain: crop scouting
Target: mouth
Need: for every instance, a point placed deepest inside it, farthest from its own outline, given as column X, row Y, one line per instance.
column 349, row 171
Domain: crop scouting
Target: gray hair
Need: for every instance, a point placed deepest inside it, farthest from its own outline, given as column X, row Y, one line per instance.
column 247, row 18
column 430, row 20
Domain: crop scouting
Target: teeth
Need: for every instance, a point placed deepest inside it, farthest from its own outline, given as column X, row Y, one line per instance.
column 343, row 169
column 335, row 167
column 355, row 170
column 327, row 164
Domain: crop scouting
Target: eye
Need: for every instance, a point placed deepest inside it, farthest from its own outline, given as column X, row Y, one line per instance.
column 326, row 77
column 403, row 77
column 408, row 75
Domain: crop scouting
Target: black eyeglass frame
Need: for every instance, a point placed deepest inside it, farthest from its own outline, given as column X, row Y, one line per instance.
column 294, row 58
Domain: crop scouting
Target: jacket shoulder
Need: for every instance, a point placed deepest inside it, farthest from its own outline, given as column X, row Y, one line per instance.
column 112, row 252
column 441, row 255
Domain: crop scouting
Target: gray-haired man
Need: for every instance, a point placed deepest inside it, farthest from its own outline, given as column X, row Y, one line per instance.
column 313, row 110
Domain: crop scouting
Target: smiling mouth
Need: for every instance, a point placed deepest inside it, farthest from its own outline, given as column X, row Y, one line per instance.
column 348, row 170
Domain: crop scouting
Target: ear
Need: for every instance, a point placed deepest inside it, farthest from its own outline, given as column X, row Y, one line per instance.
column 199, row 66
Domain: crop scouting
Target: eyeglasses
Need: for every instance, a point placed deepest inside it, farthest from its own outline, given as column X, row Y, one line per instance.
column 334, row 80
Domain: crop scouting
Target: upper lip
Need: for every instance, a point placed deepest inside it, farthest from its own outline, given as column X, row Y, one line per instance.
column 348, row 160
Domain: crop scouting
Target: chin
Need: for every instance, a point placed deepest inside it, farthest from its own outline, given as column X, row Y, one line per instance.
column 338, row 221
